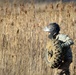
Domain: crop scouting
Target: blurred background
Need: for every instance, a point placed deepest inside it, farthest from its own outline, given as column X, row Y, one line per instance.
column 22, row 40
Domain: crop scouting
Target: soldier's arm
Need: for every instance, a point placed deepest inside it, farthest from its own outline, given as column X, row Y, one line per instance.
column 68, row 42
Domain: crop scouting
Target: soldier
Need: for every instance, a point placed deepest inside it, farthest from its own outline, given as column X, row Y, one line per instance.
column 65, row 59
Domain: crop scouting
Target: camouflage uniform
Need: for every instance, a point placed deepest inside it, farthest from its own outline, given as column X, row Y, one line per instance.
column 67, row 55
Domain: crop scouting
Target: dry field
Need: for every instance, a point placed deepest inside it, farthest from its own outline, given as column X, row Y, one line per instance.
column 22, row 40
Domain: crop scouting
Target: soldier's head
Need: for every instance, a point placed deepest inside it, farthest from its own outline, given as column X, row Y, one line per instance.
column 53, row 29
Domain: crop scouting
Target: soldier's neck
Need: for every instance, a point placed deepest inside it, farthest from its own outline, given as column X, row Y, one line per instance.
column 51, row 37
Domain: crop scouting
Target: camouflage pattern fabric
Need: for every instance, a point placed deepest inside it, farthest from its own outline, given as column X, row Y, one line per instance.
column 66, row 42
column 63, row 50
column 63, row 69
column 53, row 53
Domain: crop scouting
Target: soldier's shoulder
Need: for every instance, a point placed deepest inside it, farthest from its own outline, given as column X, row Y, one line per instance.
column 62, row 37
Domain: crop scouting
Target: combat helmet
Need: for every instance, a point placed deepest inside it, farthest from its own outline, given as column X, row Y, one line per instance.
column 52, row 28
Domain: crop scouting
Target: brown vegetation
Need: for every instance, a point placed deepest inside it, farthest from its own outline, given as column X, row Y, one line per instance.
column 22, row 40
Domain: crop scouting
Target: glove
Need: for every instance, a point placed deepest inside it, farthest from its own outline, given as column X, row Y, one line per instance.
column 65, row 44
